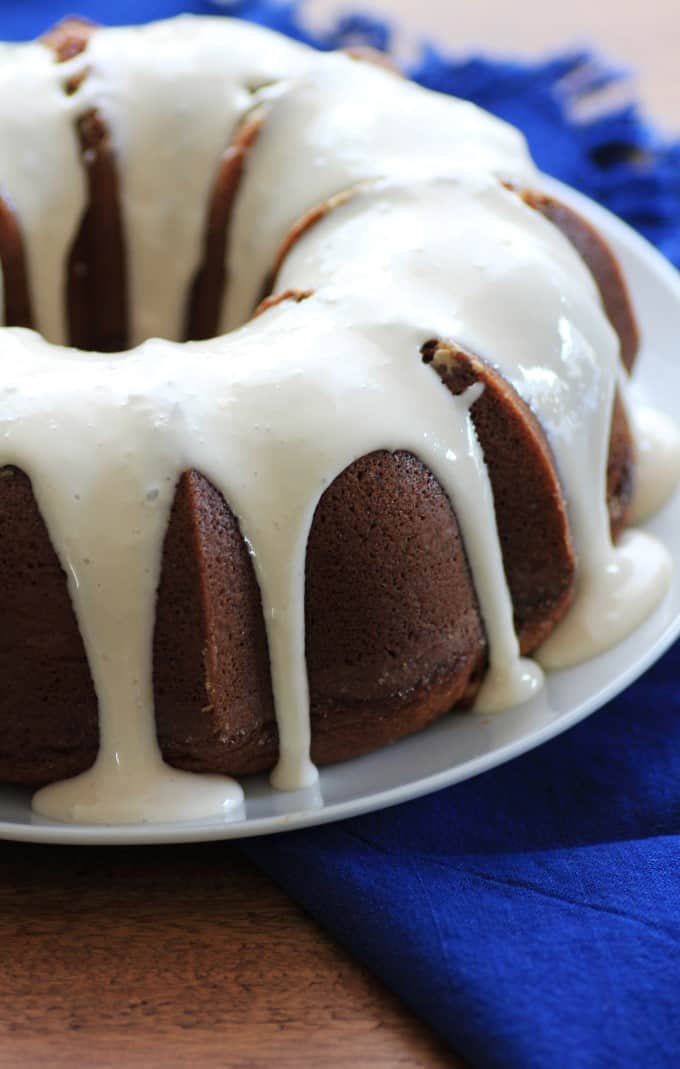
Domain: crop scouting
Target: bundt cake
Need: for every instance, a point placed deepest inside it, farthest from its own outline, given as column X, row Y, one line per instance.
column 361, row 445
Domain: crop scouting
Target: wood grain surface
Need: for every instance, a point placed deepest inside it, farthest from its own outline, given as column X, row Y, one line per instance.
column 180, row 956
column 186, row 956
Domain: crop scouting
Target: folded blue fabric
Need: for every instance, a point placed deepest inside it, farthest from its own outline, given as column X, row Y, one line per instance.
column 531, row 915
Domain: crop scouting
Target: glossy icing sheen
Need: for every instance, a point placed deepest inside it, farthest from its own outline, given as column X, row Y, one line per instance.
column 429, row 245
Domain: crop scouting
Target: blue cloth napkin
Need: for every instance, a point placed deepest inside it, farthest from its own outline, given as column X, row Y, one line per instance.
column 531, row 915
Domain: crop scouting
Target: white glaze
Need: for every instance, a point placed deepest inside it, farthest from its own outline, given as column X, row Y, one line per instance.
column 172, row 94
column 437, row 249
column 339, row 125
column 385, row 256
column 40, row 176
column 657, row 472
column 611, row 602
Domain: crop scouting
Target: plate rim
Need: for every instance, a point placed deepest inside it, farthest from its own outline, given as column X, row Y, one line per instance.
column 45, row 832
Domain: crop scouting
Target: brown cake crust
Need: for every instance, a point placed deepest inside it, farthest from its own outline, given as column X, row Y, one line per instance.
column 96, row 274
column 367, row 54
column 48, row 711
column 620, row 469
column 530, row 512
column 207, row 291
column 212, row 684
column 611, row 284
column 208, row 287
column 17, row 297
column 394, row 637
column 460, row 370
column 280, row 298
column 97, row 284
column 393, row 632
column 298, row 230
column 69, row 37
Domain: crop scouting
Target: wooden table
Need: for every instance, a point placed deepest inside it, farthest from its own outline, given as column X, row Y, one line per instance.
column 187, row 956
column 180, row 956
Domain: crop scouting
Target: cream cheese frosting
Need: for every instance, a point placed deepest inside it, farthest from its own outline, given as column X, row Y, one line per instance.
column 428, row 245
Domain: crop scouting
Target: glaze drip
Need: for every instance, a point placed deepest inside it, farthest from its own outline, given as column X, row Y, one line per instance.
column 32, row 98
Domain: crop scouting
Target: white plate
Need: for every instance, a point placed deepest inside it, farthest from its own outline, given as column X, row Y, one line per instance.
column 463, row 744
